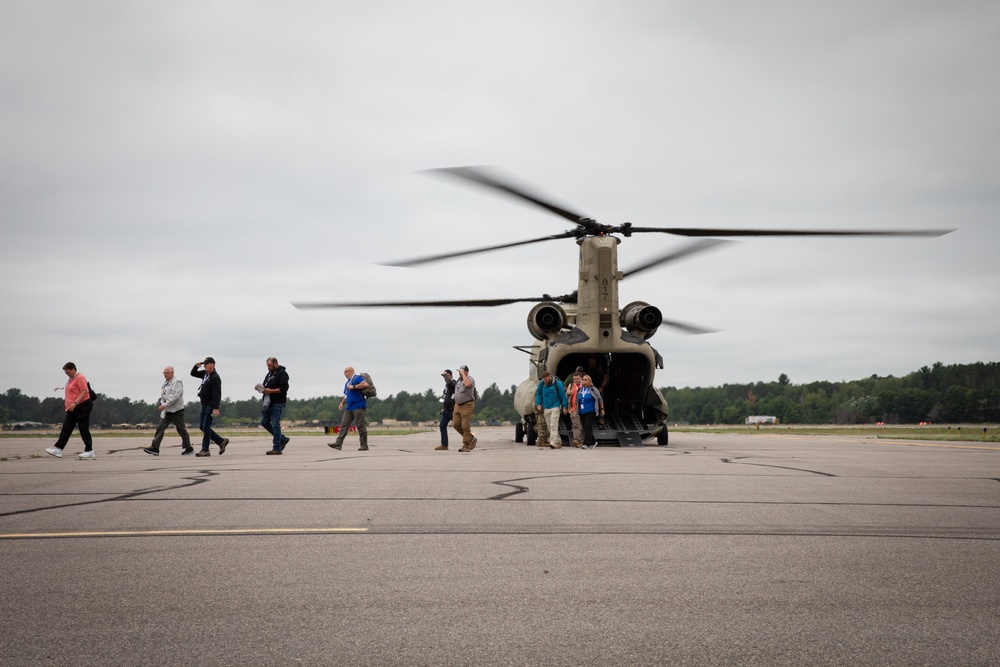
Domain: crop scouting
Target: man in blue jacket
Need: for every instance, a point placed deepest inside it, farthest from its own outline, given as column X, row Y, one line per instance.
column 550, row 402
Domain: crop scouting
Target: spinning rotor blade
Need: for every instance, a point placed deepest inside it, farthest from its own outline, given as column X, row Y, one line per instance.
column 696, row 247
column 687, row 328
column 416, row 261
column 687, row 231
column 475, row 303
column 479, row 175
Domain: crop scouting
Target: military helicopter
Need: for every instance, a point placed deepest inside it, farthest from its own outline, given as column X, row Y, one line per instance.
column 587, row 327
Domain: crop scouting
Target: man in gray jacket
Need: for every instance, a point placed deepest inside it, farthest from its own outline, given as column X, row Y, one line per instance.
column 171, row 412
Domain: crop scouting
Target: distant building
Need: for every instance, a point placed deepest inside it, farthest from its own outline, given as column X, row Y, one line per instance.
column 25, row 426
column 761, row 419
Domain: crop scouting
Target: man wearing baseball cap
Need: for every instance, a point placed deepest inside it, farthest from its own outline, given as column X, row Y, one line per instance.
column 210, row 393
column 447, row 407
column 465, row 404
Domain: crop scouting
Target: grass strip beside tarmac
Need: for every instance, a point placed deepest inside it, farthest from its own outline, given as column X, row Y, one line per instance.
column 949, row 433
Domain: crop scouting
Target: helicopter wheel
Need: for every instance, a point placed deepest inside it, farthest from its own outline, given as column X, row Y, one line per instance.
column 518, row 432
column 532, row 435
column 662, row 438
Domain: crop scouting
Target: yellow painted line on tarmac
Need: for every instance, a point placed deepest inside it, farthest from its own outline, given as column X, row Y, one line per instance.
column 181, row 532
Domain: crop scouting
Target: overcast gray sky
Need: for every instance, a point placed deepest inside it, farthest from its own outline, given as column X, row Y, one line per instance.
column 174, row 174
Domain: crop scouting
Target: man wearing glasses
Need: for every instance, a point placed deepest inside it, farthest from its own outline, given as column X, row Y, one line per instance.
column 355, row 404
column 171, row 412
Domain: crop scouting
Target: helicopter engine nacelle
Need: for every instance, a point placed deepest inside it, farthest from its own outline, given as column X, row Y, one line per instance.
column 641, row 319
column 546, row 318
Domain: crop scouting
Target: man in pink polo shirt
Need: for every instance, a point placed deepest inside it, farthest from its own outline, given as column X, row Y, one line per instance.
column 78, row 407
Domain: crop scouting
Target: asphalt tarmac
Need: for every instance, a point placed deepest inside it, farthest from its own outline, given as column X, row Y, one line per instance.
column 717, row 550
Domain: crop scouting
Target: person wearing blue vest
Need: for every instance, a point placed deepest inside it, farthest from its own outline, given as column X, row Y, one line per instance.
column 550, row 403
column 355, row 404
column 589, row 404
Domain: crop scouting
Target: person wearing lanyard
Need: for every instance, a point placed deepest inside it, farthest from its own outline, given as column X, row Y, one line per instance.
column 355, row 403
column 589, row 404
column 78, row 407
column 275, row 390
column 447, row 407
column 573, row 386
column 210, row 393
column 171, row 412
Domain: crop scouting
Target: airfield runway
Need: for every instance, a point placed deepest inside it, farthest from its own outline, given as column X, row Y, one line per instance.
column 718, row 550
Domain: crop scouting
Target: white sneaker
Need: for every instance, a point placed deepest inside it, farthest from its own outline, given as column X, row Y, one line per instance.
column 88, row 455
column 54, row 451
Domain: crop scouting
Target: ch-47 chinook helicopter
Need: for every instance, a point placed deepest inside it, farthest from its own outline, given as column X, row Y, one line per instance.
column 572, row 329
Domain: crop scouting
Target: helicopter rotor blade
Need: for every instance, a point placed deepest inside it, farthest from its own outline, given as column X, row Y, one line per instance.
column 688, row 231
column 479, row 175
column 696, row 247
column 461, row 303
column 687, row 328
column 416, row 261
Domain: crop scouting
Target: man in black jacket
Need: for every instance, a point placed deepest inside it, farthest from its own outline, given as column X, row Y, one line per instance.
column 275, row 390
column 447, row 407
column 210, row 393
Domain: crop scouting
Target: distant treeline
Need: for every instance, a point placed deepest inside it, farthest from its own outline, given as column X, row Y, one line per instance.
column 965, row 393
column 945, row 394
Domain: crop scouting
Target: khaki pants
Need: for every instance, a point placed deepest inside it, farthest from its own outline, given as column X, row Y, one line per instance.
column 462, row 421
column 357, row 418
column 541, row 429
column 574, row 417
column 547, row 424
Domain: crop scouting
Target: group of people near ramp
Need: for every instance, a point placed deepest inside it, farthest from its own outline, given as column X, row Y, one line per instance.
column 578, row 398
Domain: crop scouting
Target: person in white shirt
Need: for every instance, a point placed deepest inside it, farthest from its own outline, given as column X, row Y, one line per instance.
column 171, row 412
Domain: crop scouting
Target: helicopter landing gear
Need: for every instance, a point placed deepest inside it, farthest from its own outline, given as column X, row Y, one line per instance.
column 518, row 432
column 662, row 437
column 532, row 434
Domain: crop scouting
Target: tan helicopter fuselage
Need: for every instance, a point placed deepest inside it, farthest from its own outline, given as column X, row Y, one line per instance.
column 568, row 336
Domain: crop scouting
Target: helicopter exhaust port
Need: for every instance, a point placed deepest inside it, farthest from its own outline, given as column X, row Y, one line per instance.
column 546, row 318
column 641, row 319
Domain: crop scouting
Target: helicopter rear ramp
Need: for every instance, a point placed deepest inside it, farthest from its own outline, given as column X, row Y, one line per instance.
column 624, row 429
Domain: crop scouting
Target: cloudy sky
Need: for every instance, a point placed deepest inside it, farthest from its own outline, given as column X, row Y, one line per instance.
column 174, row 174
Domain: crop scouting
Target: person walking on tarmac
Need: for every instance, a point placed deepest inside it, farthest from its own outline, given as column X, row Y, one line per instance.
column 447, row 407
column 171, row 413
column 210, row 393
column 355, row 403
column 589, row 405
column 573, row 386
column 550, row 403
column 275, row 395
column 78, row 405
column 465, row 405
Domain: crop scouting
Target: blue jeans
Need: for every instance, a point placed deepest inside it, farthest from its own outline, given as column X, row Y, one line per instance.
column 206, row 428
column 270, row 419
column 445, row 418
